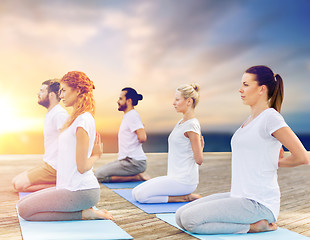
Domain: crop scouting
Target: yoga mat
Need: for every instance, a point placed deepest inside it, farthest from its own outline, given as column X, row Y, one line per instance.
column 77, row 230
column 65, row 230
column 149, row 207
column 122, row 185
column 279, row 234
column 23, row 194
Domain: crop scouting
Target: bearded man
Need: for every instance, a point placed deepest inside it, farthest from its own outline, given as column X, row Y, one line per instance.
column 44, row 175
column 131, row 162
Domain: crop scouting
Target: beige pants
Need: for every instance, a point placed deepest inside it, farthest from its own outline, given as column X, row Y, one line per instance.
column 42, row 174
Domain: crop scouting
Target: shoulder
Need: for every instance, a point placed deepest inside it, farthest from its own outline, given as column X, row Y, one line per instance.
column 133, row 114
column 85, row 117
column 271, row 113
column 193, row 122
column 60, row 111
column 192, row 125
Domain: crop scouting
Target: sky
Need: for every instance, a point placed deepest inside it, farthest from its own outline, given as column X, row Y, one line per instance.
column 153, row 46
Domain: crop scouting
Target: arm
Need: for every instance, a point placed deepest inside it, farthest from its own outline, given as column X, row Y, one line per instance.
column 84, row 163
column 141, row 134
column 197, row 143
column 298, row 156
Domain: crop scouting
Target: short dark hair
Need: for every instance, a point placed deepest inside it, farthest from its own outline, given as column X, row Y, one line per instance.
column 133, row 95
column 53, row 86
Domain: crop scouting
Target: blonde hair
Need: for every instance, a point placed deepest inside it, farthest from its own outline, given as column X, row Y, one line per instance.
column 190, row 91
column 86, row 102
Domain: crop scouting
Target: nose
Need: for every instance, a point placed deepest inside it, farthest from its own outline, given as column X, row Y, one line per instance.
column 240, row 90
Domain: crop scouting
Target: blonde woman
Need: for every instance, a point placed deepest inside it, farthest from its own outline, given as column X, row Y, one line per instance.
column 77, row 189
column 253, row 203
column 184, row 155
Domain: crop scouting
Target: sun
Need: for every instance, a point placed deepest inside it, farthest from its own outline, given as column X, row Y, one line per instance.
column 12, row 120
column 8, row 119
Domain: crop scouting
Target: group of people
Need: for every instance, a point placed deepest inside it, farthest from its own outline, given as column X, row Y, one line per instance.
column 67, row 188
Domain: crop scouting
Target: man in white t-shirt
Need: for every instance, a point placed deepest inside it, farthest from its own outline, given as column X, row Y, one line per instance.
column 131, row 162
column 44, row 175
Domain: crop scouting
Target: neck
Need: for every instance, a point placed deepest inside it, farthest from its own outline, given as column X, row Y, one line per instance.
column 258, row 108
column 129, row 108
column 189, row 114
column 52, row 104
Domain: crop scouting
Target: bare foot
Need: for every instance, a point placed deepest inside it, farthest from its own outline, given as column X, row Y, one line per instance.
column 144, row 176
column 192, row 197
column 91, row 214
column 262, row 226
column 184, row 198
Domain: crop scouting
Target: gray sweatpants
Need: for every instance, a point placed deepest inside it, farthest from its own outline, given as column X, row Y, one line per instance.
column 122, row 167
column 220, row 213
column 53, row 204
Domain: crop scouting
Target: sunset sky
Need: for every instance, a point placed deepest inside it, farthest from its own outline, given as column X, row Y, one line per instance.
column 153, row 46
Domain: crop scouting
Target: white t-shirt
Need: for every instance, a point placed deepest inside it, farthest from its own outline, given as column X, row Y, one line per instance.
column 181, row 163
column 68, row 176
column 255, row 156
column 54, row 121
column 128, row 143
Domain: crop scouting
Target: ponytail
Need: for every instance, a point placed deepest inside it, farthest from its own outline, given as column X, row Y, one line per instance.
column 277, row 98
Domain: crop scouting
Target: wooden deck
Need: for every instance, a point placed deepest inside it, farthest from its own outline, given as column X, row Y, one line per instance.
column 214, row 177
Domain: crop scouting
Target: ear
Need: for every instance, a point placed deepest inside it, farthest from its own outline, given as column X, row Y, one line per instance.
column 129, row 101
column 51, row 95
column 263, row 90
column 189, row 101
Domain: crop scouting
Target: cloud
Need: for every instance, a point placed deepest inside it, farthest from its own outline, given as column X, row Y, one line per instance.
column 45, row 30
column 154, row 46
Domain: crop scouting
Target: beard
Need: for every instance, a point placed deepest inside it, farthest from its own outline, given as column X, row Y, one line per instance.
column 45, row 102
column 122, row 107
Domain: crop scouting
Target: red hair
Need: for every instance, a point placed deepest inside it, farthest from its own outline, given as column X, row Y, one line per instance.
column 86, row 103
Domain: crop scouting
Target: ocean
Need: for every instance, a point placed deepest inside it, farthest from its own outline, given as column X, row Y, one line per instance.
column 32, row 143
column 214, row 142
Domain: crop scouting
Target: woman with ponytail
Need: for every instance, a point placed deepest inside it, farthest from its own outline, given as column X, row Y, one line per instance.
column 184, row 155
column 77, row 189
column 253, row 203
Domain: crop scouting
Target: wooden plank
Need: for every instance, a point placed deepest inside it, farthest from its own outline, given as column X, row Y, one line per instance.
column 215, row 177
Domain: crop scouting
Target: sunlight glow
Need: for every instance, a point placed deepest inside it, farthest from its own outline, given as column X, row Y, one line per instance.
column 7, row 120
column 10, row 121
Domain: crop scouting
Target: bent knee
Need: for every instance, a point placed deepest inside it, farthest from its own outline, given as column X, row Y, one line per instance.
column 21, row 182
column 178, row 219
column 23, row 212
column 18, row 186
column 187, row 222
column 139, row 197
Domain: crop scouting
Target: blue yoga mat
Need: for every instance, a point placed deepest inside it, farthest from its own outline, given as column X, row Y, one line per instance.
column 64, row 230
column 149, row 207
column 23, row 194
column 279, row 234
column 77, row 230
column 122, row 185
